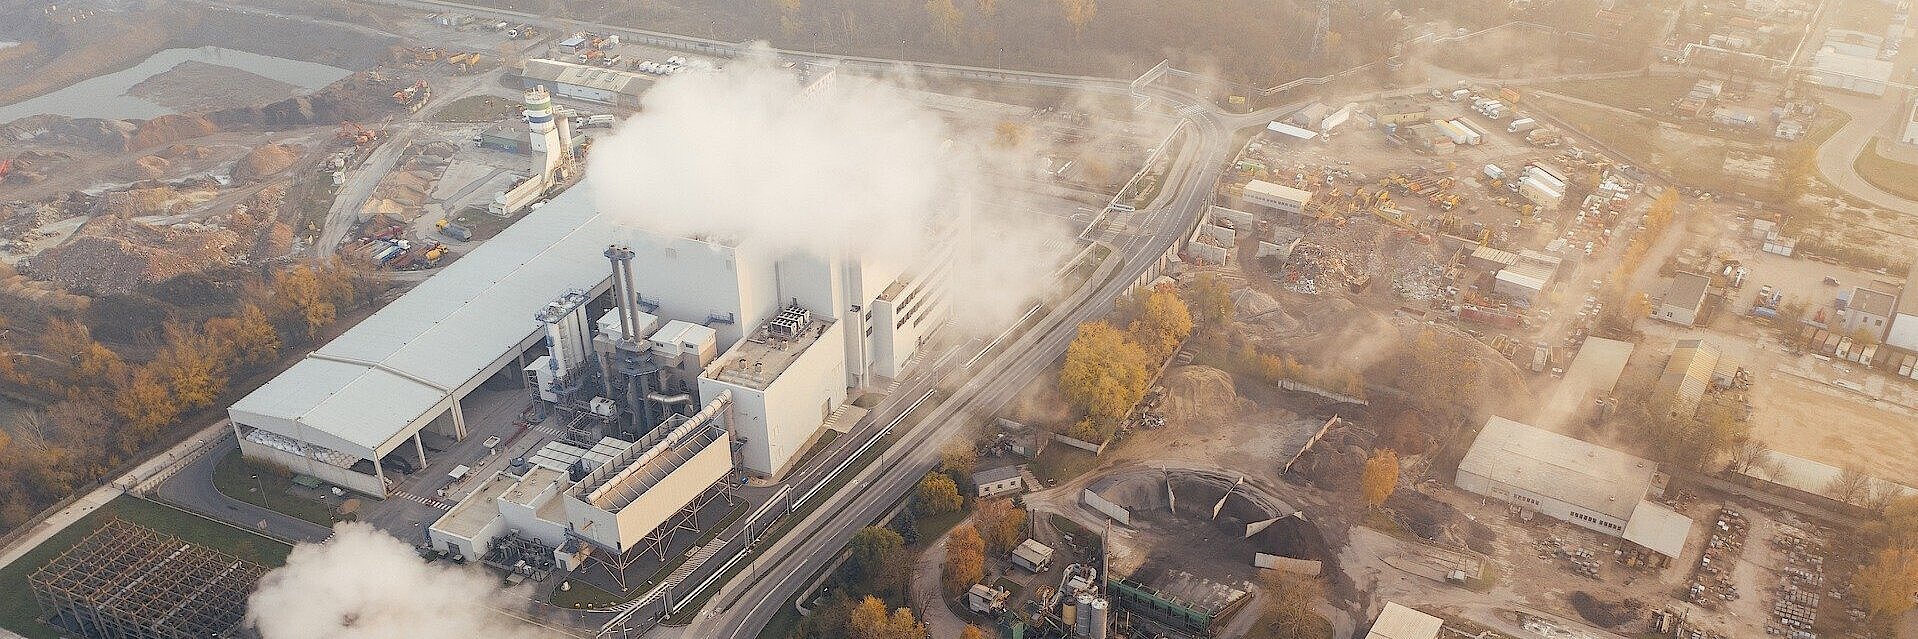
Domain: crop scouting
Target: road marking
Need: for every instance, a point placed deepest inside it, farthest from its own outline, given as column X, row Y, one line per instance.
column 424, row 500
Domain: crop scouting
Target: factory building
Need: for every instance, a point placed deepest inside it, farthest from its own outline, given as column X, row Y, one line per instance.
column 1870, row 311
column 1399, row 622
column 1904, row 322
column 622, row 502
column 786, row 379
column 582, row 82
column 1581, row 483
column 1685, row 300
column 1276, row 196
column 1691, row 371
column 531, row 307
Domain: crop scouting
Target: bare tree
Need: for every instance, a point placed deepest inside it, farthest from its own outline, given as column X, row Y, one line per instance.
column 1850, row 486
column 1749, row 455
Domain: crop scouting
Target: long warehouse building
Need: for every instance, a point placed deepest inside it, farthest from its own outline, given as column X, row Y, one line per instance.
column 339, row 414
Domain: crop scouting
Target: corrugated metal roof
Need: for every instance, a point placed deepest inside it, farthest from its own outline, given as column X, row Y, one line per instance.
column 1400, row 622
column 1577, row 472
column 622, row 82
column 373, row 381
column 1659, row 529
column 1278, row 191
column 1687, row 291
column 1688, row 374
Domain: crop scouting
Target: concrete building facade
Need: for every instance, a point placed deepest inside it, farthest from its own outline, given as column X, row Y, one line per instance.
column 1685, row 300
column 1871, row 312
column 1277, row 196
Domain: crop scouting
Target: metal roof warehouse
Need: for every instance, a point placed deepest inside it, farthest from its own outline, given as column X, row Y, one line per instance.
column 364, row 394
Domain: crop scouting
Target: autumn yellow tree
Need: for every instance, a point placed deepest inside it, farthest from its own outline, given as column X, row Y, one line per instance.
column 1888, row 583
column 1001, row 524
column 972, row 632
column 1079, row 13
column 192, row 365
column 869, row 620
column 248, row 334
column 965, row 560
column 1287, row 613
column 305, row 295
column 1380, row 477
column 946, row 19
column 1163, row 322
column 145, row 403
column 938, row 494
column 1210, row 299
column 958, row 458
column 1104, row 374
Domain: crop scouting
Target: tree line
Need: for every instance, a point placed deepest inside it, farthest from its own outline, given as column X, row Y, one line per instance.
column 1107, row 370
column 108, row 409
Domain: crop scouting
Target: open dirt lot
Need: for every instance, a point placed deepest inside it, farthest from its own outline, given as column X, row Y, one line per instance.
column 1836, row 426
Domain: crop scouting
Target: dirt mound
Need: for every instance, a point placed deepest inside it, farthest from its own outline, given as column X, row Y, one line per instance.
column 1197, row 395
column 86, row 133
column 168, row 129
column 147, row 167
column 265, row 161
column 1250, row 303
column 185, row 152
column 117, row 258
column 356, row 98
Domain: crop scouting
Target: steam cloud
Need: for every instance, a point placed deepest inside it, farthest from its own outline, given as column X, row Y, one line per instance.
column 364, row 584
column 856, row 166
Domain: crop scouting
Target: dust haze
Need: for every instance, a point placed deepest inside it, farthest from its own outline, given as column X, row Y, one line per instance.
column 852, row 166
column 365, row 584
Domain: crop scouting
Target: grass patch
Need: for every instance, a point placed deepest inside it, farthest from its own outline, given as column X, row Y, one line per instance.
column 1010, row 586
column 477, row 108
column 1653, row 92
column 930, row 527
column 1892, row 176
column 1080, row 536
column 826, row 438
column 273, row 490
column 585, row 595
column 18, row 611
column 1059, row 463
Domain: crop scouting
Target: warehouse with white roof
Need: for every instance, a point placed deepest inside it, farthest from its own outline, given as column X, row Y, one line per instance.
column 1574, row 481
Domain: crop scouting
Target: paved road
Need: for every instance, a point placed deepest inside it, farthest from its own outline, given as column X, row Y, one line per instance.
column 191, row 487
column 1869, row 117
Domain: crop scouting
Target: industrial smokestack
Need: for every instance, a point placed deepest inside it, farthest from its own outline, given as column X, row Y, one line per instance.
column 623, row 294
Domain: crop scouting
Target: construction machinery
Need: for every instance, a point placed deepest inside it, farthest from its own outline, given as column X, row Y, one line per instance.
column 356, row 135
column 414, row 96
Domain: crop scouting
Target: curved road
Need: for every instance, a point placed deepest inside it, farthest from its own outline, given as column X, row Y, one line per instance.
column 1869, row 117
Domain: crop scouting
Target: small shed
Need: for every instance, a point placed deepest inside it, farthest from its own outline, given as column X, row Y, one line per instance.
column 994, row 481
column 1032, row 556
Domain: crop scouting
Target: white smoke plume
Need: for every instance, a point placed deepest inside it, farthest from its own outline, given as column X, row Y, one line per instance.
column 365, row 584
column 854, row 164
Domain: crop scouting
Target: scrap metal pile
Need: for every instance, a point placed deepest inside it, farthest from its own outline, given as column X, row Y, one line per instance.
column 1796, row 607
column 1712, row 582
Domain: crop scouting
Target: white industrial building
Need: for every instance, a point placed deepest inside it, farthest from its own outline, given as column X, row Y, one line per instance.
column 354, row 408
column 583, row 82
column 1578, row 482
column 1904, row 321
column 1870, row 311
column 1685, row 300
column 1835, row 67
column 622, row 503
column 786, row 380
column 1277, row 196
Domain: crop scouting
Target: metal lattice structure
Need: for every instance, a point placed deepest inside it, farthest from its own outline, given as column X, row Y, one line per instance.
column 125, row 581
